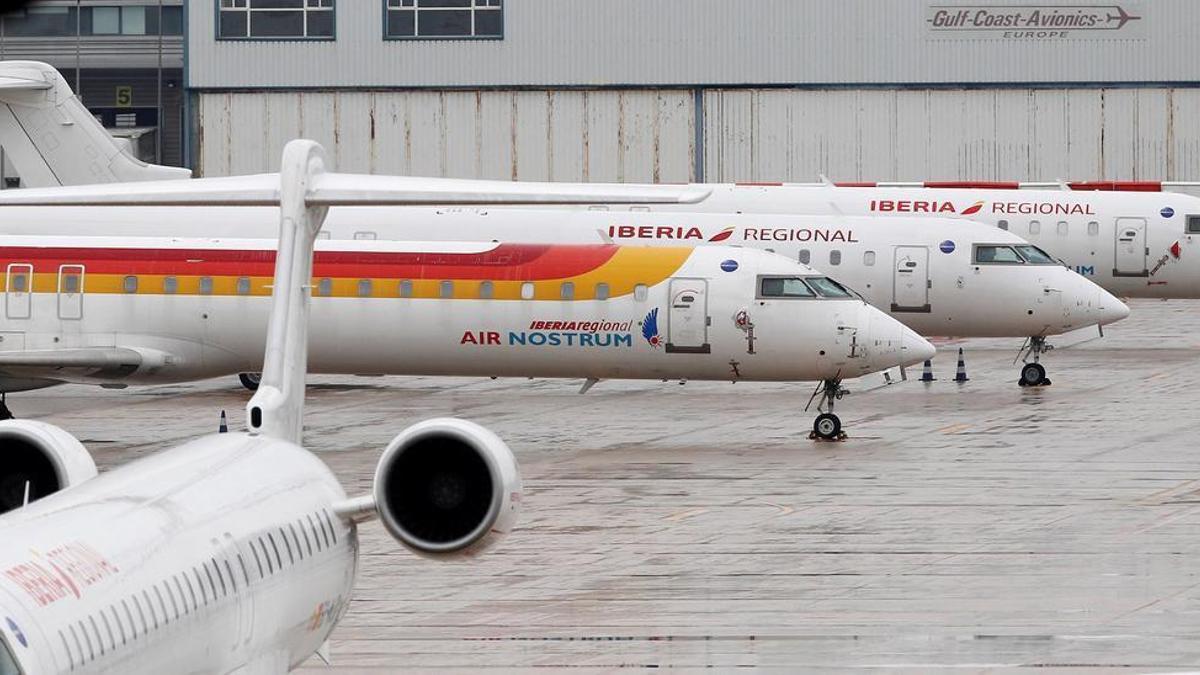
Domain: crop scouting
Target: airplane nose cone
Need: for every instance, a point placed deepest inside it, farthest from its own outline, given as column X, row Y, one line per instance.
column 1111, row 309
column 916, row 349
column 894, row 344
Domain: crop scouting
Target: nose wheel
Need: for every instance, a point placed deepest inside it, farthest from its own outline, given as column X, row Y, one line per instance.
column 250, row 380
column 1033, row 373
column 827, row 426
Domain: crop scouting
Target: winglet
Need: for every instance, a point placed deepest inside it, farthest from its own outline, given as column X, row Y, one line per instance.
column 277, row 408
column 53, row 140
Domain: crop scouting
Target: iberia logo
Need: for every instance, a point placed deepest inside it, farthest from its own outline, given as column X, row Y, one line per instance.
column 650, row 329
column 722, row 235
column 972, row 209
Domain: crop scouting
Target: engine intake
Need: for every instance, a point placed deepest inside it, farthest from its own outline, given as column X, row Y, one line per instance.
column 42, row 457
column 447, row 486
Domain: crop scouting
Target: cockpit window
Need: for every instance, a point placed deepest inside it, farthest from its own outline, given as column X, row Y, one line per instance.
column 8, row 662
column 784, row 287
column 988, row 254
column 827, row 288
column 1036, row 256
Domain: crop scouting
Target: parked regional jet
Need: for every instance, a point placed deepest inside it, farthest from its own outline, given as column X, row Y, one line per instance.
column 235, row 552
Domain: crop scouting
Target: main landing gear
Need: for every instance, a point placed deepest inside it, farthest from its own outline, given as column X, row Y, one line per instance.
column 5, row 413
column 827, row 426
column 250, row 380
column 1033, row 373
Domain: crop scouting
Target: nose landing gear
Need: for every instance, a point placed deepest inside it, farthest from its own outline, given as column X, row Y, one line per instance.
column 827, row 426
column 1033, row 374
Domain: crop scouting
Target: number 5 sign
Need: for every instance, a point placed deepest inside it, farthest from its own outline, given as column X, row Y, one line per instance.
column 124, row 96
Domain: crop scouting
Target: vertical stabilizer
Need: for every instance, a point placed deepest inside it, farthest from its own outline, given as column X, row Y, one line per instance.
column 277, row 408
column 53, row 140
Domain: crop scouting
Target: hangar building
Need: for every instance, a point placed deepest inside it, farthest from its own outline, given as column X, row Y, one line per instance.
column 691, row 90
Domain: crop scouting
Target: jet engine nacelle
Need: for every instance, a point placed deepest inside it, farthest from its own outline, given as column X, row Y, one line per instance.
column 39, row 456
column 447, row 486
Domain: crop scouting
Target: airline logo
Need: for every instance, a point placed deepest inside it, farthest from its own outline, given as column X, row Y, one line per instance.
column 650, row 329
column 601, row 334
column 922, row 206
column 660, row 232
column 60, row 573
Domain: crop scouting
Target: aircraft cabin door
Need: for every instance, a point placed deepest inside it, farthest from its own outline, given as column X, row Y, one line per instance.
column 70, row 292
column 687, row 322
column 1132, row 251
column 18, row 289
column 911, row 279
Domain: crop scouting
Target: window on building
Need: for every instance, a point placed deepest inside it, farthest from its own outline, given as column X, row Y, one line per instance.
column 443, row 19
column 49, row 21
column 275, row 19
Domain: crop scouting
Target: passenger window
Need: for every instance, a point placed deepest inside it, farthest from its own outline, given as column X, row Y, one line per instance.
column 987, row 254
column 129, row 284
column 835, row 257
column 784, row 287
column 170, row 285
column 804, row 256
column 243, row 286
column 406, row 289
column 71, row 283
column 641, row 292
column 601, row 291
column 446, row 290
column 566, row 291
column 364, row 235
column 1093, row 228
column 364, row 288
column 1063, row 228
column 1003, row 224
column 1193, row 224
column 325, row 287
column 1035, row 227
column 869, row 258
column 206, row 285
column 527, row 290
column 487, row 290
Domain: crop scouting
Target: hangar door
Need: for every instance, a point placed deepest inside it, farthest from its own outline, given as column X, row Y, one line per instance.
column 910, row 290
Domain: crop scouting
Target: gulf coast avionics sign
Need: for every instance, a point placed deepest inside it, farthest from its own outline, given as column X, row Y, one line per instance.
column 962, row 21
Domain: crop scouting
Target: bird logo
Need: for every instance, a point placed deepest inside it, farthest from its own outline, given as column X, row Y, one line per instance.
column 650, row 329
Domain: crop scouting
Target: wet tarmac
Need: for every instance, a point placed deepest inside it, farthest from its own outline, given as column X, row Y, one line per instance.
column 975, row 527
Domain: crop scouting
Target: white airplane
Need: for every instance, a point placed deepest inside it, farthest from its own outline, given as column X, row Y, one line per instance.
column 235, row 552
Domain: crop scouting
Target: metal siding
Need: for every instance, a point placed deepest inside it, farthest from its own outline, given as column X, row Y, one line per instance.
column 551, row 43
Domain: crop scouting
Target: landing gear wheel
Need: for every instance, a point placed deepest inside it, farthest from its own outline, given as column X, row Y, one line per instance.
column 827, row 427
column 1033, row 375
column 250, row 380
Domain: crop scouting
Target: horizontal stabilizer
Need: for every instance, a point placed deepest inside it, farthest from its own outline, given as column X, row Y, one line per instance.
column 343, row 189
column 52, row 139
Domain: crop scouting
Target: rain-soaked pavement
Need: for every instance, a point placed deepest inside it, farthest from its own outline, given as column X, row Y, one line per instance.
column 976, row 526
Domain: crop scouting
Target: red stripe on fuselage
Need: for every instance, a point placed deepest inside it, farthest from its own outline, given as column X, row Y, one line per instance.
column 528, row 262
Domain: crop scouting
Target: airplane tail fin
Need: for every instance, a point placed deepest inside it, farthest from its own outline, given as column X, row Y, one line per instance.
column 53, row 140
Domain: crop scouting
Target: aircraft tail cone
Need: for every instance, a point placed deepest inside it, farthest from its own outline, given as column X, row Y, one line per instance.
column 927, row 372
column 961, row 374
column 224, row 428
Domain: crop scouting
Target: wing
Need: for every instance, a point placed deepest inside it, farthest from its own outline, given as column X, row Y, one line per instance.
column 61, row 364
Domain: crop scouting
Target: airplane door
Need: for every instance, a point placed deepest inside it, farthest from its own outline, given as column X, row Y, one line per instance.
column 911, row 279
column 70, row 292
column 687, row 321
column 1131, row 248
column 18, row 286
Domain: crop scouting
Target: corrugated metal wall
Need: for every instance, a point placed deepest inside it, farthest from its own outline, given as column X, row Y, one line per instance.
column 748, row 134
column 551, row 43
column 636, row 136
